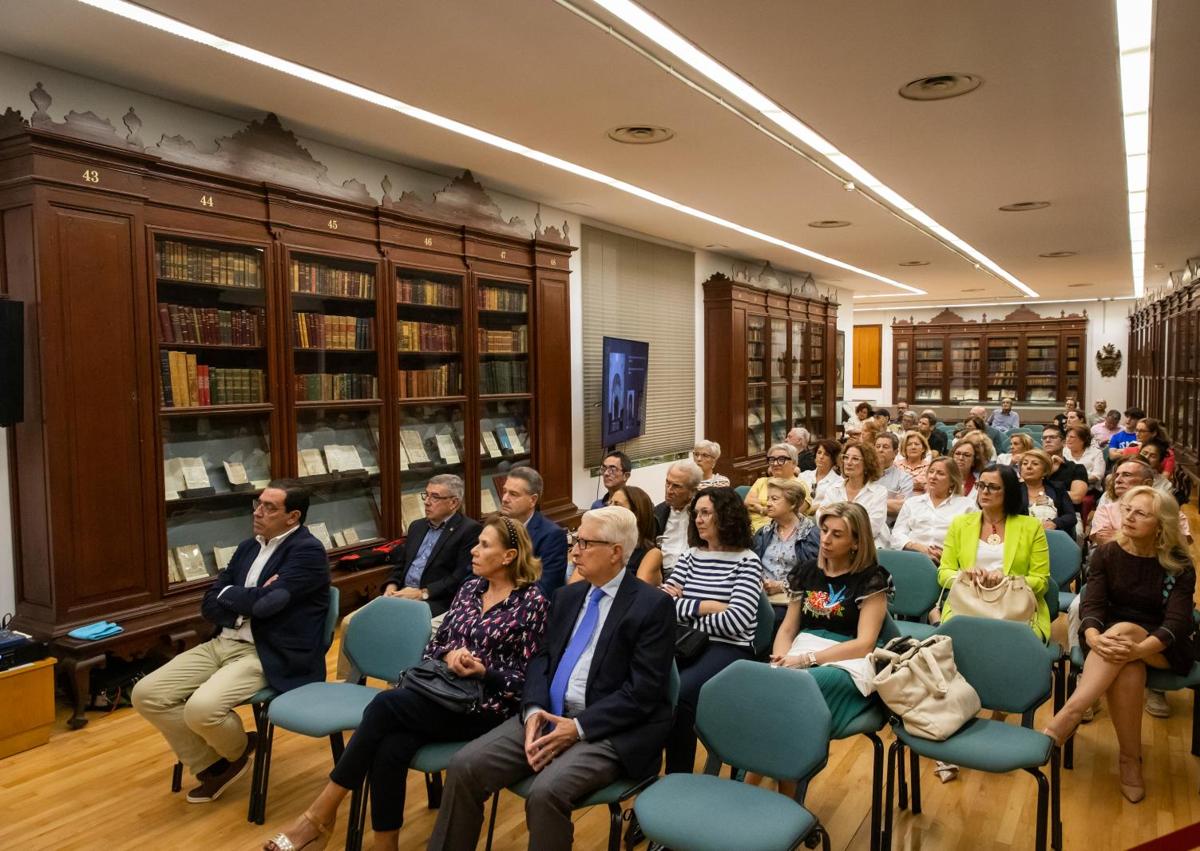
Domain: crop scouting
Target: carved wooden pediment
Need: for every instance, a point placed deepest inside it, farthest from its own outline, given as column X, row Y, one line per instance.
column 947, row 317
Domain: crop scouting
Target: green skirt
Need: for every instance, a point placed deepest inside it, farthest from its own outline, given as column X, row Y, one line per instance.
column 841, row 695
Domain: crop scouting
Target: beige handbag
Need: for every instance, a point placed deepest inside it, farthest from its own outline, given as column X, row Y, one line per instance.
column 920, row 683
column 1011, row 600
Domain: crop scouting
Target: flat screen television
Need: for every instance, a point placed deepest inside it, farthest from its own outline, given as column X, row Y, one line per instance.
column 624, row 415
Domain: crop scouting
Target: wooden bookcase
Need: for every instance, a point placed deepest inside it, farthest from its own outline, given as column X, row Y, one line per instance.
column 951, row 361
column 770, row 365
column 193, row 332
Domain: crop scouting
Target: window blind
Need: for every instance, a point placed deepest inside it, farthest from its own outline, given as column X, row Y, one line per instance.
column 639, row 290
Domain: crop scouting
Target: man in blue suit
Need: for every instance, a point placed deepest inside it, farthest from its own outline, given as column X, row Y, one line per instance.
column 521, row 493
column 270, row 606
column 596, row 704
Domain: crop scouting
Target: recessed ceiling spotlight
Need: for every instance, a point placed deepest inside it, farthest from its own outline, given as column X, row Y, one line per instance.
column 1077, row 286
column 829, row 223
column 914, row 263
column 1158, row 267
column 640, row 134
column 1024, row 206
column 940, row 86
column 1054, row 255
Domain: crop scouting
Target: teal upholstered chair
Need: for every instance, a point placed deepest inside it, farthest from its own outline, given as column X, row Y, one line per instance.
column 742, row 490
column 1009, row 668
column 705, row 812
column 386, row 637
column 1066, row 557
column 764, row 630
column 258, row 704
column 917, row 590
column 612, row 796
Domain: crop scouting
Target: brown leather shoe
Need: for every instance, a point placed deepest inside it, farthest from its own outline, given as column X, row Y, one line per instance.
column 214, row 782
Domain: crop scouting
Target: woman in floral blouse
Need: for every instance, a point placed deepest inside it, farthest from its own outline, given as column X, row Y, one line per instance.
column 493, row 628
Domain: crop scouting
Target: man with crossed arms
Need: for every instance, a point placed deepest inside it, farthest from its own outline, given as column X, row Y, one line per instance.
column 596, row 704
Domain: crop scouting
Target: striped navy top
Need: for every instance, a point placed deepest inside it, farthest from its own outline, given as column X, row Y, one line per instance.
column 732, row 578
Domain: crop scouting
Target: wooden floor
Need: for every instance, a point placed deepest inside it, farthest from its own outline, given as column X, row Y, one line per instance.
column 107, row 787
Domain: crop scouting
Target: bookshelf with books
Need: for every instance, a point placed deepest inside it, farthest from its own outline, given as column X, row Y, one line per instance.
column 1162, row 360
column 236, row 332
column 504, row 443
column 1035, row 360
column 772, row 356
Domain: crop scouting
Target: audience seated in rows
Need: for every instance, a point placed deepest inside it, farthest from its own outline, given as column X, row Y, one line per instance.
column 596, row 703
column 925, row 519
column 1004, row 418
column 1018, row 444
column 1106, row 519
column 493, row 628
column 646, row 560
column 998, row 540
column 934, row 437
column 825, row 473
column 435, row 558
column 969, row 460
column 1099, row 412
column 1070, row 410
column 1135, row 613
column 862, row 413
column 519, row 498
column 1127, row 436
column 717, row 585
column 1146, row 431
column 1078, row 447
column 671, row 515
column 1066, row 475
column 1104, row 431
column 896, row 482
column 805, row 456
column 1155, row 452
column 781, row 464
column 790, row 538
column 1043, row 499
column 860, row 471
column 914, row 458
column 614, row 472
column 977, row 418
column 706, row 454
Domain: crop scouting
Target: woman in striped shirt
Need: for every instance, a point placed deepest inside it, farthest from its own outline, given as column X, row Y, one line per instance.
column 717, row 585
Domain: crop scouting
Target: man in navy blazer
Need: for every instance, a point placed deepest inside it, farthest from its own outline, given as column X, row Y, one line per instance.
column 270, row 605
column 521, row 493
column 596, row 704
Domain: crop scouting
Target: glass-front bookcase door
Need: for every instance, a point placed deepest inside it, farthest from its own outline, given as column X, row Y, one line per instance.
column 903, row 356
column 1041, row 369
column 504, row 444
column 1003, row 367
column 965, row 364
column 816, row 377
column 432, row 442
column 756, row 388
column 214, row 409
column 1073, row 374
column 927, row 376
column 337, row 454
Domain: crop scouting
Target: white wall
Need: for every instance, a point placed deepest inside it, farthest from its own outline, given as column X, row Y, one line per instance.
column 1108, row 322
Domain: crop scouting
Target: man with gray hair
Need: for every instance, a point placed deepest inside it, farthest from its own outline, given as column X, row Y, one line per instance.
column 436, row 556
column 518, row 501
column 806, row 459
column 683, row 478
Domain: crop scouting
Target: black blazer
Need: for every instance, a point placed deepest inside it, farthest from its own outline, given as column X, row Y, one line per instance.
column 287, row 617
column 662, row 513
column 628, row 687
column 550, row 545
column 447, row 566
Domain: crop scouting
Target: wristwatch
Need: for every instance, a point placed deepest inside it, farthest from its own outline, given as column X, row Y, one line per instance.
column 425, row 594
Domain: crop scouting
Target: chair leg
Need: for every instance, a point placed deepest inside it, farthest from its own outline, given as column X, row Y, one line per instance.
column 1195, row 722
column 433, row 789
column 260, row 724
column 876, row 788
column 902, row 782
column 337, row 744
column 1042, row 802
column 1055, row 800
column 492, row 821
column 177, row 776
column 915, row 782
column 885, row 837
column 266, row 747
column 1068, row 755
column 1059, row 670
column 614, row 826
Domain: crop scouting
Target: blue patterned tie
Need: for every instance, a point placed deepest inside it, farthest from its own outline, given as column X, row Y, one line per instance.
column 575, row 647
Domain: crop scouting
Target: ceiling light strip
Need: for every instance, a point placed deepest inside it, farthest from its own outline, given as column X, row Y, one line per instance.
column 847, row 168
column 177, row 28
column 1135, row 35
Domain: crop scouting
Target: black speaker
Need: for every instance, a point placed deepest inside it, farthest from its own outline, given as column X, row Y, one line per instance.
column 12, row 350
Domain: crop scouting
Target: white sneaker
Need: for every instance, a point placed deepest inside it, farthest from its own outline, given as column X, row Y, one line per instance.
column 1156, row 704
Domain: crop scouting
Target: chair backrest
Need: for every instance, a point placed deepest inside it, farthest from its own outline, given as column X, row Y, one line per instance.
column 887, row 630
column 764, row 630
column 915, row 579
column 387, row 636
column 675, row 685
column 742, row 490
column 773, row 721
column 331, row 616
column 1005, row 662
column 1052, row 589
column 1065, row 556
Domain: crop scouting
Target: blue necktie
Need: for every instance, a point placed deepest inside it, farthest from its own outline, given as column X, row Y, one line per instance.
column 575, row 647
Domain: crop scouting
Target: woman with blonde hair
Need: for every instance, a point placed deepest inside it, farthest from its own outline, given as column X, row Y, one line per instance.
column 789, row 539
column 706, row 453
column 860, row 475
column 1043, row 499
column 924, row 519
column 1137, row 613
column 1018, row 445
column 492, row 629
column 914, row 458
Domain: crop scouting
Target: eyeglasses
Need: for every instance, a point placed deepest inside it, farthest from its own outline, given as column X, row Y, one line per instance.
column 1136, row 513
column 989, row 487
column 583, row 543
column 267, row 507
column 426, row 496
column 776, row 460
column 611, row 468
column 961, row 454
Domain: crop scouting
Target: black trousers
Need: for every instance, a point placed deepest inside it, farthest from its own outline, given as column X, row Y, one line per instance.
column 681, row 743
column 394, row 726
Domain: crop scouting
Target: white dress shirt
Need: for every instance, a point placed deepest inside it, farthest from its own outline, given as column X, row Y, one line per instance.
column 922, row 522
column 674, row 537
column 816, row 490
column 1092, row 461
column 873, row 498
column 241, row 632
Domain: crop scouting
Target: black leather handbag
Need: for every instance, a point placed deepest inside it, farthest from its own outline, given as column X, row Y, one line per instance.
column 689, row 642
column 434, row 679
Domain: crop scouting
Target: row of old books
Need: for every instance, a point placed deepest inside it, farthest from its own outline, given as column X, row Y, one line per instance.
column 503, row 299
column 431, row 293
column 317, row 278
column 326, row 331
column 503, row 376
column 335, row 387
column 426, row 337
column 200, row 264
column 444, row 380
column 186, row 383
column 507, row 340
column 210, row 326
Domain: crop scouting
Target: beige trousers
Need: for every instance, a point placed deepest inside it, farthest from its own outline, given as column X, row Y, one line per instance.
column 191, row 699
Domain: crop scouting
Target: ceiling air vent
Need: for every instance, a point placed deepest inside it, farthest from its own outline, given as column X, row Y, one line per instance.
column 940, row 86
column 1024, row 206
column 640, row 134
column 829, row 223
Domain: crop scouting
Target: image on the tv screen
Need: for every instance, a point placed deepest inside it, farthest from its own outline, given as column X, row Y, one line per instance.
column 625, row 363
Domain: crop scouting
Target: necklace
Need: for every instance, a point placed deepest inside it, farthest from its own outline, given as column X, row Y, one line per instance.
column 994, row 538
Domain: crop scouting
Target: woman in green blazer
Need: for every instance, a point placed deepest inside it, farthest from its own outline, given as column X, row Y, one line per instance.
column 999, row 541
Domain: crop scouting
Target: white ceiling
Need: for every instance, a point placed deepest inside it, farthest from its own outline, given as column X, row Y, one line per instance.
column 1045, row 125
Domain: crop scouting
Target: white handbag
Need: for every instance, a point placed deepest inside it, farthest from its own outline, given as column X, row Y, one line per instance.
column 1011, row 600
column 920, row 683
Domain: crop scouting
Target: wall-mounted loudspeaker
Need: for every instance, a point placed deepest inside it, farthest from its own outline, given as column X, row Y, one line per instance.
column 12, row 348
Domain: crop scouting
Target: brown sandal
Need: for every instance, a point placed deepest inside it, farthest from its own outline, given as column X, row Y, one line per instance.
column 282, row 843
